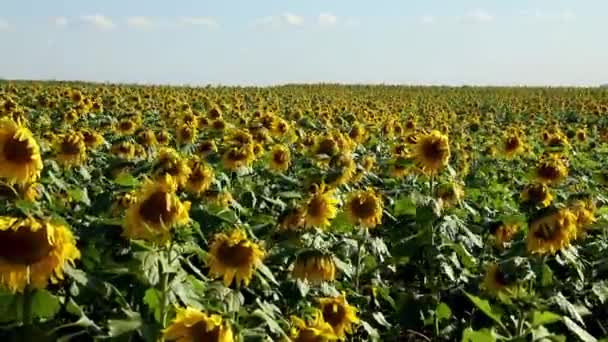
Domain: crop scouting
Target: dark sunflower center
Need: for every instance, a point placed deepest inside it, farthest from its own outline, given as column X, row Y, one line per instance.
column 156, row 209
column 512, row 144
column 433, row 150
column 327, row 146
column 399, row 149
column 236, row 155
column 537, row 194
column 282, row 128
column 219, row 124
column 317, row 206
column 69, row 146
column 238, row 255
column 280, row 157
column 500, row 278
column 334, row 314
column 187, row 133
column 200, row 333
column 126, row 125
column 17, row 151
column 555, row 142
column 546, row 231
column 363, row 207
column 548, row 171
column 24, row 246
column 198, row 176
column 205, row 147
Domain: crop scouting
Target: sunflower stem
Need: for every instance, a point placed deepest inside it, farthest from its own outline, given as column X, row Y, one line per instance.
column 164, row 284
column 432, row 185
column 360, row 242
column 27, row 298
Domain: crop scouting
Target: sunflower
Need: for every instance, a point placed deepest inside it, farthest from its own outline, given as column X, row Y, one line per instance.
column 234, row 257
column 314, row 266
column 201, row 177
column 551, row 170
column 186, row 134
column 33, row 252
column 513, row 145
column 170, row 162
column 450, row 193
column 339, row 314
column 432, row 151
column 147, row 138
column 315, row 330
column 368, row 163
column 206, row 147
column 71, row 149
column 192, row 325
column 326, row 146
column 293, row 220
column 584, row 211
column 280, row 158
column 537, row 195
column 156, row 211
column 91, row 138
column 551, row 232
column 20, row 160
column 126, row 127
column 163, row 137
column 364, row 208
column 496, row 280
column 504, row 232
column 123, row 149
column 321, row 207
column 222, row 198
column 343, row 169
column 238, row 157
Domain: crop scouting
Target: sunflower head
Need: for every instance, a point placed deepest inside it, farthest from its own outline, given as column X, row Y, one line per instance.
column 163, row 137
column 551, row 230
column 513, row 145
column 314, row 329
column 147, row 138
column 293, row 220
column 20, row 158
column 206, row 147
column 91, row 138
column 497, row 280
column 280, row 158
column 71, row 149
column 364, row 208
column 233, row 257
column 584, row 210
column 504, row 232
column 156, row 211
column 123, row 149
column 33, row 252
column 186, row 134
column 314, row 266
column 193, row 325
column 321, row 207
column 536, row 195
column 238, row 157
column 170, row 162
column 326, row 145
column 432, row 151
column 339, row 314
column 551, row 170
column 450, row 193
column 200, row 178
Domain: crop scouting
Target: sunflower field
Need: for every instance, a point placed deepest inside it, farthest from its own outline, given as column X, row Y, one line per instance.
column 302, row 213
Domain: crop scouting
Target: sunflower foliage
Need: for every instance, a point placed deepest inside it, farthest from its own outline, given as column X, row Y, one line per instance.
column 302, row 213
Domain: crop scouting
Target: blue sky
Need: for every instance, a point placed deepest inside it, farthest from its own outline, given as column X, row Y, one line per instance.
column 532, row 42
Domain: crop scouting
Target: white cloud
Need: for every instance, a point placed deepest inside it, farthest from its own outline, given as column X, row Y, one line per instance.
column 4, row 25
column 139, row 22
column 60, row 21
column 327, row 19
column 480, row 15
column 428, row 19
column 293, row 19
column 99, row 21
column 200, row 21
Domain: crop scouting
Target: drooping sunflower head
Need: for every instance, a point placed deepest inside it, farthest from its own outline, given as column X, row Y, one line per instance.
column 186, row 134
column 293, row 220
column 364, row 208
column 170, row 162
column 368, row 163
column 584, row 211
column 163, row 137
column 504, row 232
column 326, row 145
column 339, row 314
column 234, row 257
column 280, row 158
column 123, row 149
column 193, row 325
column 551, row 170
column 450, row 193
column 156, row 211
column 314, row 329
column 200, row 178
column 20, row 160
column 238, row 157
column 496, row 280
column 91, row 138
column 206, row 147
column 321, row 207
column 71, row 149
column 33, row 252
column 147, row 138
column 314, row 266
column 551, row 230
column 513, row 145
column 537, row 195
column 432, row 151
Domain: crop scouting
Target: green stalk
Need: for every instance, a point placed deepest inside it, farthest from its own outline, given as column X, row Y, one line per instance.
column 27, row 299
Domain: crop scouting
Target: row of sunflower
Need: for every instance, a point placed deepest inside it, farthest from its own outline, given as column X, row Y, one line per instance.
column 303, row 213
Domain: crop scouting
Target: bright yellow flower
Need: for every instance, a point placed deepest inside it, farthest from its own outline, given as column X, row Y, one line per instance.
column 234, row 257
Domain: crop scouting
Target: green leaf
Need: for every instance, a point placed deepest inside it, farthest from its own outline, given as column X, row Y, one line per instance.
column 600, row 290
column 341, row 223
column 483, row 305
column 483, row 335
column 152, row 299
column 544, row 317
column 443, row 311
column 371, row 331
column 149, row 266
column 117, row 327
column 126, row 180
column 264, row 270
column 568, row 307
column 44, row 304
column 379, row 317
column 547, row 276
column 80, row 195
column 578, row 331
column 467, row 259
column 9, row 307
column 404, row 206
